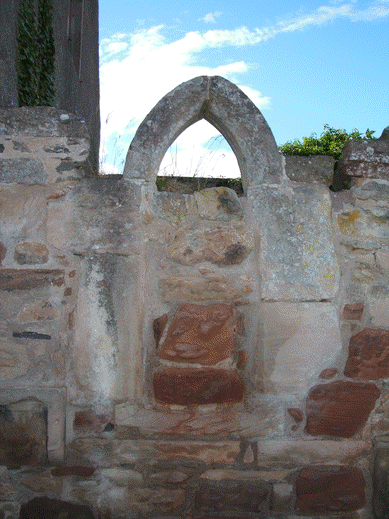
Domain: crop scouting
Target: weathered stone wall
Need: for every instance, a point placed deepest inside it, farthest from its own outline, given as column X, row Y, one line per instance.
column 203, row 355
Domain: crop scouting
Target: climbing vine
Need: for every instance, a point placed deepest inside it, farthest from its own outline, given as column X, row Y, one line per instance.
column 35, row 54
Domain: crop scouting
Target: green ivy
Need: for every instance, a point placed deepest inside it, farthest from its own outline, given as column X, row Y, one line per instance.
column 35, row 54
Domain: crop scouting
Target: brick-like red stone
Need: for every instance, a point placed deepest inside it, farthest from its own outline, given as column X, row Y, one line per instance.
column 339, row 408
column 353, row 312
column 230, row 496
column 26, row 279
column 90, row 421
column 187, row 386
column 40, row 507
column 368, row 355
column 321, row 490
column 83, row 472
column 199, row 334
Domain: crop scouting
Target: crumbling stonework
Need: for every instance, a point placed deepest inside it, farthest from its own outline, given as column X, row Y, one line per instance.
column 189, row 355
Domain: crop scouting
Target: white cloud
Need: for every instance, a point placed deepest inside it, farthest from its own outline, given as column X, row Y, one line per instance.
column 138, row 69
column 210, row 17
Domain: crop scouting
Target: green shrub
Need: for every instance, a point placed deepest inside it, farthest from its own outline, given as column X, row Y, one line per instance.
column 331, row 142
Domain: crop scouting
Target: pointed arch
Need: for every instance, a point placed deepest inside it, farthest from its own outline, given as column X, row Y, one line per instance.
column 223, row 105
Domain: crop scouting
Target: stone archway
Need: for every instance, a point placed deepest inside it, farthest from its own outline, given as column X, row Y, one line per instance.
column 223, row 105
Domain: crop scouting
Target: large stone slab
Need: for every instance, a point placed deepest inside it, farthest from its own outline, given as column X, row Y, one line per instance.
column 106, row 355
column 106, row 452
column 94, row 215
column 297, row 259
column 199, row 333
column 266, row 420
column 299, row 339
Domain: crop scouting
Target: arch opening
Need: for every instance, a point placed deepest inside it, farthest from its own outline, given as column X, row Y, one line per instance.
column 200, row 157
column 224, row 106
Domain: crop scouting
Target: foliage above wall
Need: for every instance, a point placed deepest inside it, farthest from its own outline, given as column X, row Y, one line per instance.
column 35, row 54
column 331, row 142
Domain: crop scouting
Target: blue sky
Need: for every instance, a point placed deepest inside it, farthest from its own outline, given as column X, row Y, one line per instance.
column 303, row 63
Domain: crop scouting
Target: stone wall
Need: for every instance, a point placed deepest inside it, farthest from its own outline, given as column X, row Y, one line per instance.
column 191, row 355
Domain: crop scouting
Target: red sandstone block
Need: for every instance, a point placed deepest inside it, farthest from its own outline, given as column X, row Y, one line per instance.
column 353, row 312
column 339, row 408
column 321, row 490
column 199, row 333
column 368, row 355
column 187, row 386
column 26, row 279
column 84, row 472
column 89, row 421
column 241, row 497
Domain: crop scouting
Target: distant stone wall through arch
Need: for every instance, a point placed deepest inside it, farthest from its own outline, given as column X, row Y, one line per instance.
column 223, row 105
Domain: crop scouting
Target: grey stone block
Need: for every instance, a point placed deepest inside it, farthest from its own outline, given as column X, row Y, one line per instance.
column 41, row 121
column 366, row 158
column 315, row 168
column 22, row 171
